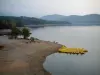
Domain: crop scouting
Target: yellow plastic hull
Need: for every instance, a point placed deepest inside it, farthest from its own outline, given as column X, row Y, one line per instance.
column 64, row 49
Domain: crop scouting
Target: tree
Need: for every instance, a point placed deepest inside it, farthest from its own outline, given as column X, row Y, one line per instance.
column 25, row 32
column 15, row 32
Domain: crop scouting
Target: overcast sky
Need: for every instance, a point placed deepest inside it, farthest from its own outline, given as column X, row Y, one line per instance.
column 38, row 8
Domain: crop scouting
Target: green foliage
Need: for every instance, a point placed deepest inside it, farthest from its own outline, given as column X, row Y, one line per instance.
column 36, row 38
column 32, row 38
column 26, row 33
column 5, row 21
column 15, row 32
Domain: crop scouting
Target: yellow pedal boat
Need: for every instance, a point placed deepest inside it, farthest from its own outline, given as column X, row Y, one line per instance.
column 64, row 49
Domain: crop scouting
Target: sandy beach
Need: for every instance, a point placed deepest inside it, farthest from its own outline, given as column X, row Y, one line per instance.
column 22, row 58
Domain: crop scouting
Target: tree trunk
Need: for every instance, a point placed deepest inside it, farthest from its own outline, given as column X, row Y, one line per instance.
column 24, row 37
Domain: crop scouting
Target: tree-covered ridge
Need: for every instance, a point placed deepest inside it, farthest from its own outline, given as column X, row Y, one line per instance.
column 19, row 21
column 7, row 21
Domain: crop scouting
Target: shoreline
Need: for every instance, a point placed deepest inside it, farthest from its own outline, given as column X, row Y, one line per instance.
column 42, row 58
column 21, row 58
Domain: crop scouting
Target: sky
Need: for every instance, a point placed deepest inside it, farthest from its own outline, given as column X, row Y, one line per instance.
column 38, row 8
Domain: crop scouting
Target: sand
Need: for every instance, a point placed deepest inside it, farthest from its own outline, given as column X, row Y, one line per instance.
column 22, row 58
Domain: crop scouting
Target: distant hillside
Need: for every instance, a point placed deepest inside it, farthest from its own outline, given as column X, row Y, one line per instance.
column 7, row 21
column 92, row 19
column 54, row 17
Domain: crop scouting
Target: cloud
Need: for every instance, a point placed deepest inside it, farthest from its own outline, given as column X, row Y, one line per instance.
column 43, row 7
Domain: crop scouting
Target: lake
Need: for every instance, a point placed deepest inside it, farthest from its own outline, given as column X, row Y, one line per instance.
column 87, row 37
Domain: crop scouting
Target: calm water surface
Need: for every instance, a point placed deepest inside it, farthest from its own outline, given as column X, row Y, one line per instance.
column 79, row 36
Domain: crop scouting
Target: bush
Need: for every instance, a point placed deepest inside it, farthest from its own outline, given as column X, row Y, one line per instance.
column 32, row 38
column 36, row 39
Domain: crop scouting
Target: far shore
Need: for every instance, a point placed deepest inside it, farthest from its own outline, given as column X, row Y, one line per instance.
column 20, row 57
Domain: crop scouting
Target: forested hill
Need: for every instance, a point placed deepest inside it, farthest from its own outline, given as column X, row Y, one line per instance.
column 90, row 19
column 7, row 21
